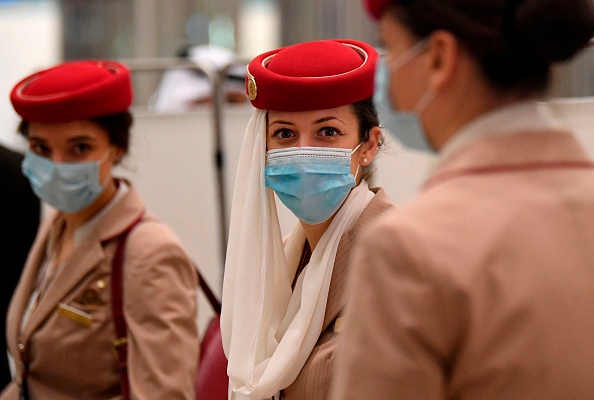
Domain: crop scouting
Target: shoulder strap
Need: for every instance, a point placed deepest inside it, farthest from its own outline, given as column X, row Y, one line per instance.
column 212, row 299
column 120, row 344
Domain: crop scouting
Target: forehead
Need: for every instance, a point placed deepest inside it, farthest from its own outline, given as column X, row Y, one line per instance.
column 66, row 130
column 344, row 113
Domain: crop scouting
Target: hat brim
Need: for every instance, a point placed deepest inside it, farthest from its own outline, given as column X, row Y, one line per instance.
column 72, row 91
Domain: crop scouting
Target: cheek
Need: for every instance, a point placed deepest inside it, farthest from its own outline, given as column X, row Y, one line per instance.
column 269, row 143
column 105, row 170
column 405, row 90
column 354, row 165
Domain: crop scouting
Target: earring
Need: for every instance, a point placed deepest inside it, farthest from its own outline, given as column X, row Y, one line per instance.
column 364, row 161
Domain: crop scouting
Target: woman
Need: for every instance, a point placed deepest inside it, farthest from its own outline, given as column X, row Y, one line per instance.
column 60, row 327
column 312, row 141
column 481, row 288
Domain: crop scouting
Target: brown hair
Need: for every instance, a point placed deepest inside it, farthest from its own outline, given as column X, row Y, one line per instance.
column 367, row 116
column 514, row 41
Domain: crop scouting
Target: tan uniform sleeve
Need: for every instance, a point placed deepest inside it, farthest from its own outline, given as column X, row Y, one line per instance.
column 160, row 310
column 394, row 341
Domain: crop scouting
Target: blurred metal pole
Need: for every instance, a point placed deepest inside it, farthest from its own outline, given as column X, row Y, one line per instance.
column 146, row 45
column 216, row 77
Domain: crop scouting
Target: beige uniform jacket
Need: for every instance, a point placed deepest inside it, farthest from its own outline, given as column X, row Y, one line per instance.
column 483, row 287
column 313, row 382
column 69, row 360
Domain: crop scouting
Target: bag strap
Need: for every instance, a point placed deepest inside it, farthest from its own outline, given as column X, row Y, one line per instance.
column 212, row 299
column 120, row 344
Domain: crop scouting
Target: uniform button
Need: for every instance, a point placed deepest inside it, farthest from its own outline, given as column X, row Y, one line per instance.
column 21, row 346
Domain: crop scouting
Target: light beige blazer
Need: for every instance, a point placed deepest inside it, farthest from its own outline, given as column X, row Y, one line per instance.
column 313, row 382
column 70, row 360
column 483, row 287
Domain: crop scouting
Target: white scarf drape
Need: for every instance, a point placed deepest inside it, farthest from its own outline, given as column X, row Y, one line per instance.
column 268, row 329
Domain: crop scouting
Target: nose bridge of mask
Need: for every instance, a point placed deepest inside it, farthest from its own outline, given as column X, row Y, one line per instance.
column 306, row 154
column 296, row 155
column 89, row 168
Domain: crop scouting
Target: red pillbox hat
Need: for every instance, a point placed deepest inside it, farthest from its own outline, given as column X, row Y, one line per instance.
column 73, row 91
column 376, row 7
column 312, row 76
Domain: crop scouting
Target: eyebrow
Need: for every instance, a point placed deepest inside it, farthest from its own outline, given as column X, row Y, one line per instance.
column 326, row 119
column 281, row 122
column 79, row 138
column 318, row 121
column 36, row 139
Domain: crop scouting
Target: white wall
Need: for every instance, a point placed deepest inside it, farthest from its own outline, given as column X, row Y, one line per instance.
column 30, row 41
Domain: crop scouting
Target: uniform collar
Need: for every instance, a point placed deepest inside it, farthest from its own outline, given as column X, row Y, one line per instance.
column 86, row 230
column 529, row 116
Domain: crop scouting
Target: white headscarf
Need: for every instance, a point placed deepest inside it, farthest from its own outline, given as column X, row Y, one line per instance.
column 268, row 329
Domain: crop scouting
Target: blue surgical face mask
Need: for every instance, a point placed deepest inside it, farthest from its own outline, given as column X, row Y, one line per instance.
column 312, row 182
column 69, row 187
column 404, row 126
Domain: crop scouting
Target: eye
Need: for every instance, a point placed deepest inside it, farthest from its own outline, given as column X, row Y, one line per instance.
column 329, row 131
column 81, row 148
column 283, row 134
column 40, row 149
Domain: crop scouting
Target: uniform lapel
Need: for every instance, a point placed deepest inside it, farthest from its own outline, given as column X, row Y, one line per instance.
column 26, row 286
column 83, row 260
column 338, row 284
column 335, row 301
column 78, row 265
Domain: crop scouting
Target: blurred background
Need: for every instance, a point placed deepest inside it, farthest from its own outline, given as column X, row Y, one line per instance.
column 37, row 33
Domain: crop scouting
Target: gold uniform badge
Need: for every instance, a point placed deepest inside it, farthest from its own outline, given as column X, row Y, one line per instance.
column 252, row 88
column 74, row 314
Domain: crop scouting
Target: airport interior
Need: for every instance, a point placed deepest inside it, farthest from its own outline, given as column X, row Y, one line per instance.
column 187, row 59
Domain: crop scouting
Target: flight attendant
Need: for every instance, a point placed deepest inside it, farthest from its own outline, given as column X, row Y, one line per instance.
column 312, row 141
column 481, row 287
column 62, row 329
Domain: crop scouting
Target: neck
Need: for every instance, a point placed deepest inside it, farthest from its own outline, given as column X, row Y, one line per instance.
column 314, row 233
column 452, row 122
column 75, row 220
column 459, row 103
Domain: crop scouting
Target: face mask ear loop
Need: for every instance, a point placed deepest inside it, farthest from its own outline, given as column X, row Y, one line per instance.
column 357, row 172
column 105, row 155
column 424, row 102
column 359, row 165
column 408, row 55
column 101, row 161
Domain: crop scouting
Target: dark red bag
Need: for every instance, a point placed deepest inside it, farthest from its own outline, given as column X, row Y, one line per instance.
column 212, row 381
